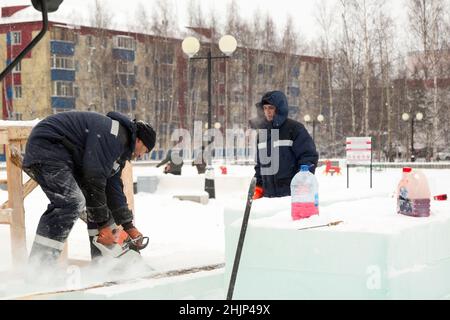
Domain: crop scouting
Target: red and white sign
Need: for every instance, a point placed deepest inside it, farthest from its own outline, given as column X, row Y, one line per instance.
column 359, row 150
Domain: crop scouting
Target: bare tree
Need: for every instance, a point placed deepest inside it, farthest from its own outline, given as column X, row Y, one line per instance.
column 325, row 18
column 196, row 16
column 367, row 65
column 270, row 33
column 100, row 60
column 427, row 26
column 349, row 53
column 384, row 25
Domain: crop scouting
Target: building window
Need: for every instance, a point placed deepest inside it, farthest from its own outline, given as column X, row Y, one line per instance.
column 147, row 72
column 124, row 42
column 16, row 37
column 17, row 92
column 63, row 89
column 77, row 91
column 62, row 62
column 89, row 66
column 18, row 67
column 89, row 41
column 125, row 67
column 62, row 34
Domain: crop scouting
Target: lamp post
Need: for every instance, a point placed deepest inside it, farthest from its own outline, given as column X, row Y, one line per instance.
column 45, row 6
column 406, row 117
column 320, row 119
column 191, row 46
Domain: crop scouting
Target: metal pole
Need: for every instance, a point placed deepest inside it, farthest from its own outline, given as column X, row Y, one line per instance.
column 314, row 130
column 348, row 178
column 209, row 90
column 209, row 176
column 31, row 44
column 413, row 153
column 371, row 153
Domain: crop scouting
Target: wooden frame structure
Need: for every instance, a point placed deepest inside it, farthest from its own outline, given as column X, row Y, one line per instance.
column 12, row 212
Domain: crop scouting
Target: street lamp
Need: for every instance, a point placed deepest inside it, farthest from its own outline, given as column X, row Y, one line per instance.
column 45, row 6
column 320, row 119
column 406, row 117
column 191, row 46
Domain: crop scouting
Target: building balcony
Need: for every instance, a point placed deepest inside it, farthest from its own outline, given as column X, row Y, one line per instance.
column 62, row 75
column 62, row 48
column 63, row 102
column 124, row 54
column 126, row 80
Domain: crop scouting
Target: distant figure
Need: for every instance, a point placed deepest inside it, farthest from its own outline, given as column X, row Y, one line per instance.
column 294, row 146
column 173, row 165
column 199, row 162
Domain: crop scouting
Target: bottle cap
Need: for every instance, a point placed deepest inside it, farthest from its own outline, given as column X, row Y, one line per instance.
column 407, row 169
column 304, row 168
column 441, row 197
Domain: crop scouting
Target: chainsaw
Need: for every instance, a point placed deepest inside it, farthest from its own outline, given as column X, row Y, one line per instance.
column 128, row 247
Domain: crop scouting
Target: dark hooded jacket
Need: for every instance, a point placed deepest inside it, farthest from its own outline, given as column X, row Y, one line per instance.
column 292, row 143
column 96, row 147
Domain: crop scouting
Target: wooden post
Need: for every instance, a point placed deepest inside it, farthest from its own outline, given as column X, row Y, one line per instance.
column 127, row 178
column 15, row 201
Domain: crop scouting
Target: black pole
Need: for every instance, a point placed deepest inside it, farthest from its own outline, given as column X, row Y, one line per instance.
column 371, row 153
column 209, row 175
column 413, row 152
column 348, row 173
column 314, row 130
column 237, row 257
column 209, row 91
column 30, row 46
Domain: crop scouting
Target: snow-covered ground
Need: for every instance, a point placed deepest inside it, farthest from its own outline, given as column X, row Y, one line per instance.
column 184, row 234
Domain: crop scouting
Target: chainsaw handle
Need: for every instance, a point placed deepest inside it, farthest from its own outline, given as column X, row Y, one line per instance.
column 143, row 245
column 145, row 241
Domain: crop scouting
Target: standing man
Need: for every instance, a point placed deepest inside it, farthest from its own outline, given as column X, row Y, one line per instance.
column 173, row 159
column 77, row 158
column 290, row 143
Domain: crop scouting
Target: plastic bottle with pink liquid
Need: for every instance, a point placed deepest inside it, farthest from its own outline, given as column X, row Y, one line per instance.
column 304, row 194
column 413, row 194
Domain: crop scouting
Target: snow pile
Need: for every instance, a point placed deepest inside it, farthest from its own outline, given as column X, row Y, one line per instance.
column 373, row 248
column 374, row 254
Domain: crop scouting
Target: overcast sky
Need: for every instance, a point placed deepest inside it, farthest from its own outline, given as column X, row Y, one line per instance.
column 303, row 11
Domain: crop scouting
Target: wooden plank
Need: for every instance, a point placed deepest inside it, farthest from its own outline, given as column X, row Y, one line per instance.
column 15, row 201
column 16, row 156
column 19, row 133
column 5, row 216
column 64, row 257
column 4, row 136
column 28, row 187
column 127, row 178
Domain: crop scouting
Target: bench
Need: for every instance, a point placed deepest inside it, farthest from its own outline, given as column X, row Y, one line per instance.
column 332, row 168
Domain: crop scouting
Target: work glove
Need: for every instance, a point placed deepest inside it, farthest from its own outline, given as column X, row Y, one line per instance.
column 136, row 236
column 259, row 193
column 107, row 236
column 122, row 237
